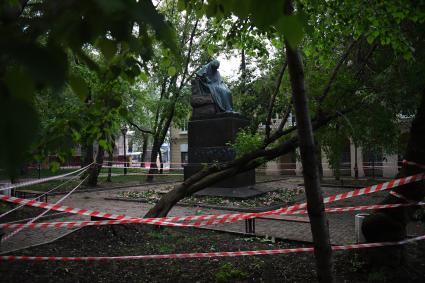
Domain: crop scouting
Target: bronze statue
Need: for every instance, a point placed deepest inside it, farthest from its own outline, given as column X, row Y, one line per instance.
column 210, row 82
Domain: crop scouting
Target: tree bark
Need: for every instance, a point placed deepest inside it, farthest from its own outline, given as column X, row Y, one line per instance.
column 88, row 154
column 95, row 169
column 243, row 71
column 144, row 149
column 315, row 206
column 390, row 224
column 153, row 169
column 318, row 151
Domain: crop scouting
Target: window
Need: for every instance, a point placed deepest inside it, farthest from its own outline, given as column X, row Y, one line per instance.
column 183, row 128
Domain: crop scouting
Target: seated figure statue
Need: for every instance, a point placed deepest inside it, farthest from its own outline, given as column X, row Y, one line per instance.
column 210, row 82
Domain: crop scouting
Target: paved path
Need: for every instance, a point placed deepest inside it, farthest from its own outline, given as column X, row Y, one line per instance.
column 341, row 225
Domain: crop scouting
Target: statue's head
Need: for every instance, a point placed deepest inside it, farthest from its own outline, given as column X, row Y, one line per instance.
column 215, row 64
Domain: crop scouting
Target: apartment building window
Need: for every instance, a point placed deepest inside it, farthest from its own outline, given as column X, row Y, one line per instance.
column 183, row 128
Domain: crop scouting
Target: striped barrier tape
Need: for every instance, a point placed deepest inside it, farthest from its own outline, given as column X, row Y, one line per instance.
column 204, row 220
column 74, row 224
column 357, row 192
column 143, row 174
column 39, row 181
column 43, row 213
column 46, row 193
column 57, row 207
column 140, row 168
column 205, row 255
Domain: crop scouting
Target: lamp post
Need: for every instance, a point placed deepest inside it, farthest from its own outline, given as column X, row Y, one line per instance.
column 124, row 133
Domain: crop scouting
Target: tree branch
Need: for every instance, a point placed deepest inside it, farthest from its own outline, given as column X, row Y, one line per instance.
column 140, row 128
column 273, row 98
column 213, row 174
column 279, row 132
column 189, row 52
column 335, row 71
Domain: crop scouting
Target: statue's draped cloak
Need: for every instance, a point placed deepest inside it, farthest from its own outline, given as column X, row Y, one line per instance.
column 211, row 82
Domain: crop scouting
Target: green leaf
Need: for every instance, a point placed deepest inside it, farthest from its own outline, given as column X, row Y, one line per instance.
column 79, row 86
column 144, row 77
column 172, row 71
column 210, row 50
column 292, row 29
column 76, row 135
column 103, row 144
column 181, row 5
column 19, row 83
column 54, row 166
column 108, row 48
column 370, row 38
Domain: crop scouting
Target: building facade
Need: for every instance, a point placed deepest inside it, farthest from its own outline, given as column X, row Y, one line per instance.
column 178, row 146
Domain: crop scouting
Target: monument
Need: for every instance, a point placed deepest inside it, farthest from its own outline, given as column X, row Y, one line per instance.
column 213, row 125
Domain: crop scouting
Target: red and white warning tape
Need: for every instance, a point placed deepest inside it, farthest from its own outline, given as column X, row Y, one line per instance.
column 146, row 174
column 358, row 192
column 46, row 193
column 204, row 220
column 140, row 168
column 73, row 224
column 57, row 207
column 205, row 255
column 39, row 181
column 5, row 238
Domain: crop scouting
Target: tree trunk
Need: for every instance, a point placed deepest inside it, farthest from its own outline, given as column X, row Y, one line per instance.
column 243, row 71
column 390, row 224
column 144, row 149
column 88, row 154
column 153, row 169
column 88, row 158
column 95, row 169
column 161, row 164
column 315, row 206
column 318, row 152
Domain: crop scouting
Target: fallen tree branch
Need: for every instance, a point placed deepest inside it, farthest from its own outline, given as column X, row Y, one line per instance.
column 213, row 174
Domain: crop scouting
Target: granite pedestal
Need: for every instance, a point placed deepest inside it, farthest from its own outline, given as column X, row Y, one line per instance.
column 208, row 142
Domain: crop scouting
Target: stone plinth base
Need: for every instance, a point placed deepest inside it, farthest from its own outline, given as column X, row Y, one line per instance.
column 244, row 179
column 208, row 142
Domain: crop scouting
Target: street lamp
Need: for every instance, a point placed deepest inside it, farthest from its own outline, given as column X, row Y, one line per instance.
column 124, row 130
